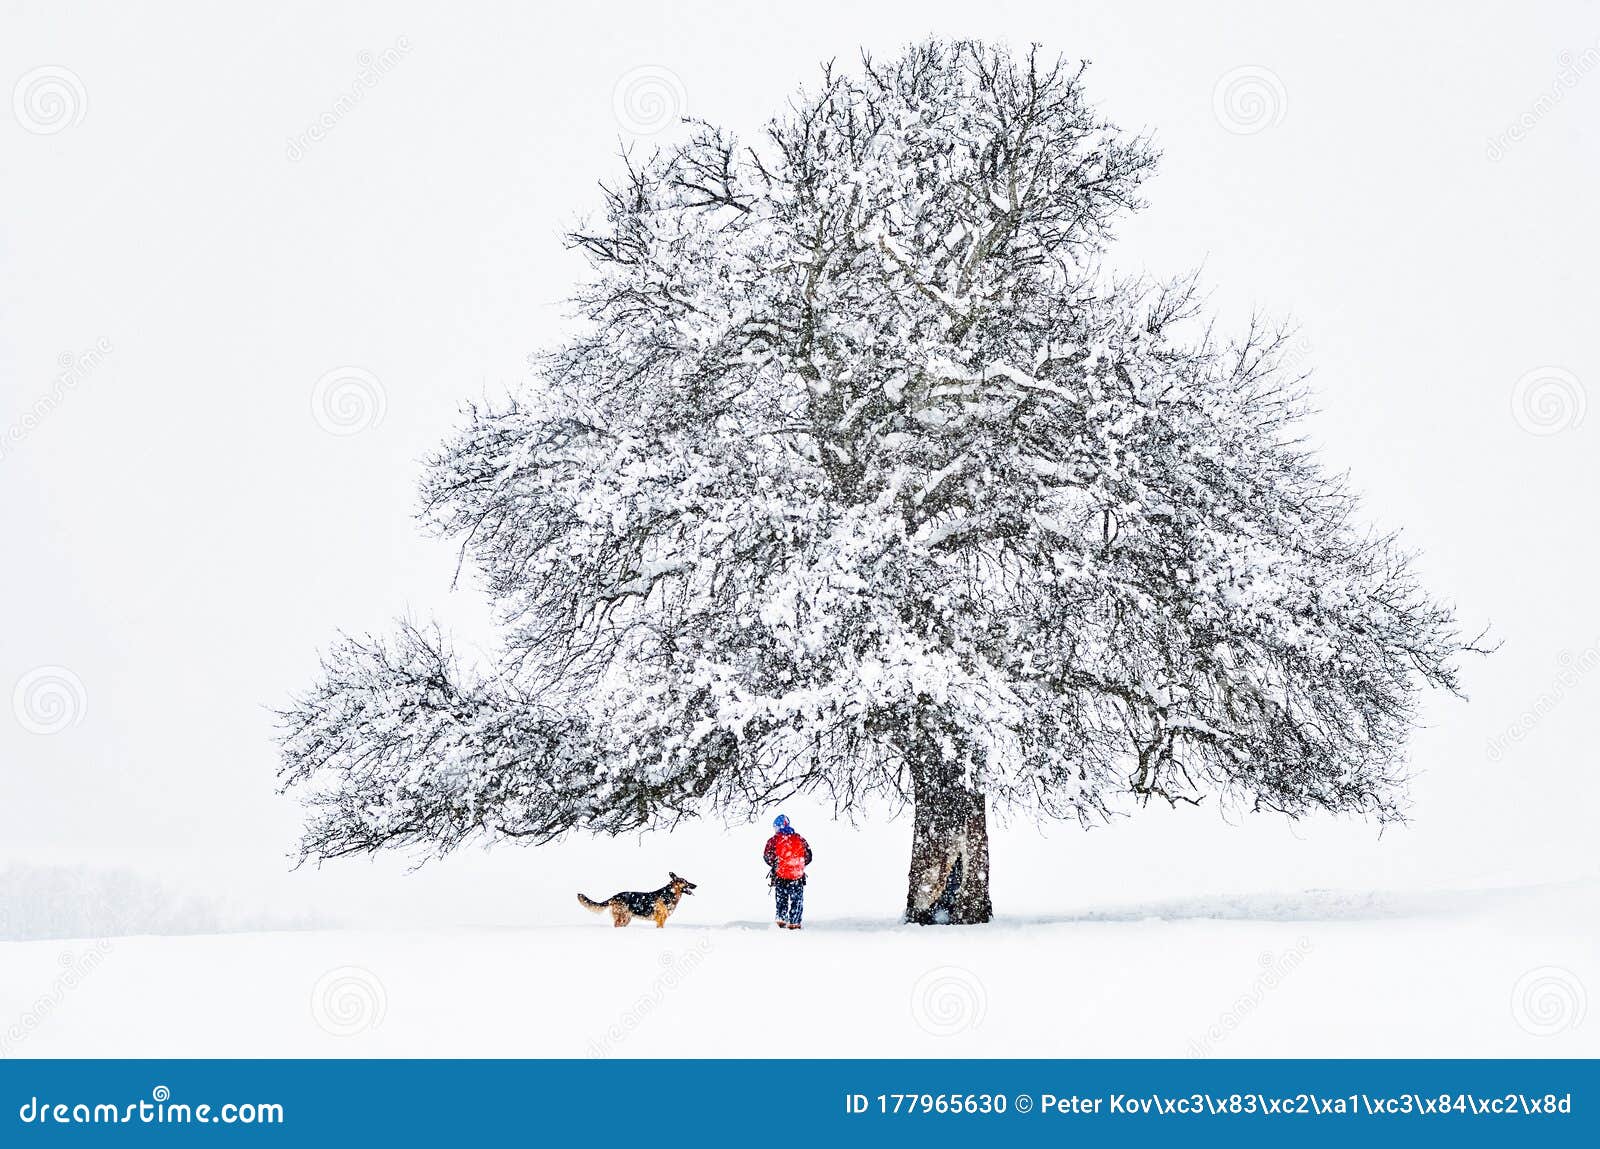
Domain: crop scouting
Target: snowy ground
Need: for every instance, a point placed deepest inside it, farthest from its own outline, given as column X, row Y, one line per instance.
column 1488, row 973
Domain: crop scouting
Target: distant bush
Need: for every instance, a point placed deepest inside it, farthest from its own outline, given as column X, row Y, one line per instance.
column 89, row 902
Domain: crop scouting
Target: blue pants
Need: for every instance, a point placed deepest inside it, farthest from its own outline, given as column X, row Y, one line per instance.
column 791, row 895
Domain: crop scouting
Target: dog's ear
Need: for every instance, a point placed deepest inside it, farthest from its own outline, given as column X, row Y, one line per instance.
column 673, row 876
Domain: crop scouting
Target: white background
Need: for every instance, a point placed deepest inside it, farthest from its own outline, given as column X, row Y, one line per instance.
column 182, row 533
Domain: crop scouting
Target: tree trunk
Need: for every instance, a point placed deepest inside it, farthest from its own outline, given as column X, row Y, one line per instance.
column 949, row 880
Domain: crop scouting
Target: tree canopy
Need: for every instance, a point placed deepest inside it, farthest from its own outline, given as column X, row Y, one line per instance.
column 861, row 472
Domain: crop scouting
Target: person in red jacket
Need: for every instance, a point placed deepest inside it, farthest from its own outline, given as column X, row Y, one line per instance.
column 787, row 855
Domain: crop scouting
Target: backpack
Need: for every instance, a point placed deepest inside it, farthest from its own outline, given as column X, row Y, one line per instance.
column 791, row 854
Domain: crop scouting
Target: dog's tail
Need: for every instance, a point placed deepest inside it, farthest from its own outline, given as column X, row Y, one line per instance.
column 590, row 904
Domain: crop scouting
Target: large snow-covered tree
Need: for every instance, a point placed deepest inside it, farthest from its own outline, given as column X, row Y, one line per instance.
column 863, row 478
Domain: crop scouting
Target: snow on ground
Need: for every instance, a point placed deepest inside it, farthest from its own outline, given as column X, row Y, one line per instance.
column 1504, row 972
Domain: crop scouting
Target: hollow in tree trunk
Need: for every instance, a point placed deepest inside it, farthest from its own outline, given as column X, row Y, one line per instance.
column 949, row 879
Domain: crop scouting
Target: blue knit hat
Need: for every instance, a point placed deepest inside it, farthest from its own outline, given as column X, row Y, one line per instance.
column 780, row 822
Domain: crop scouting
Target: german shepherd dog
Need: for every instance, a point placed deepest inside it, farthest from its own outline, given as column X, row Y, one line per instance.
column 657, row 905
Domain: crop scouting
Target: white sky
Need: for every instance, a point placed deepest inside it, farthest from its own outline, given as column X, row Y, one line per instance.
column 183, row 535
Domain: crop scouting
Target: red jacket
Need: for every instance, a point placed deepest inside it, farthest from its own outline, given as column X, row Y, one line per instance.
column 788, row 854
